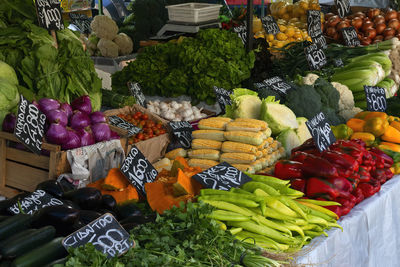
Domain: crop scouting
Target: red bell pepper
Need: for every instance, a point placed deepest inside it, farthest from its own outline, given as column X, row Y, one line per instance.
column 335, row 209
column 354, row 152
column 299, row 156
column 341, row 159
column 345, row 173
column 298, row 184
column 341, row 184
column 287, row 169
column 317, row 166
column 359, row 195
column 368, row 189
column 347, row 202
column 308, row 144
column 317, row 187
column 389, row 174
column 365, row 175
column 379, row 175
column 387, row 159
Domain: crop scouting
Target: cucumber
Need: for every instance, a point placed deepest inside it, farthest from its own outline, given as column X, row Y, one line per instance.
column 14, row 224
column 5, row 242
column 42, row 255
column 21, row 245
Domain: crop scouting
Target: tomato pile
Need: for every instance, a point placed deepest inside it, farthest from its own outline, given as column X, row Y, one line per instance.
column 149, row 127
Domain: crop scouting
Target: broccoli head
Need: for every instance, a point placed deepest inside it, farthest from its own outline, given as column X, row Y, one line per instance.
column 304, row 101
column 329, row 94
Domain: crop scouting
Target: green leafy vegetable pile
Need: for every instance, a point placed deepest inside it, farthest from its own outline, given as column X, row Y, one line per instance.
column 190, row 66
column 180, row 237
column 43, row 70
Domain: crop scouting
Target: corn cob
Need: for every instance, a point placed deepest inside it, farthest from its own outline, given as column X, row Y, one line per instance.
column 204, row 154
column 263, row 145
column 215, row 123
column 265, row 152
column 259, row 154
column 250, row 138
column 270, row 140
column 178, row 152
column 267, row 133
column 209, row 134
column 238, row 158
column 242, row 126
column 232, row 147
column 268, row 170
column 266, row 161
column 202, row 163
column 206, row 144
column 244, row 168
column 262, row 124
column 257, row 165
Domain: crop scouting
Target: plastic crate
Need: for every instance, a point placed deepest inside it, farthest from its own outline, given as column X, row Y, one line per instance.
column 193, row 12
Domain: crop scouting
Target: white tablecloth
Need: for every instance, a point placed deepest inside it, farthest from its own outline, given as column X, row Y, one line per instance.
column 370, row 237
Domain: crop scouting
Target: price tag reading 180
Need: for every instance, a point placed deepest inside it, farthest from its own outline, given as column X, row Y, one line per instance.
column 376, row 98
column 315, row 57
column 321, row 131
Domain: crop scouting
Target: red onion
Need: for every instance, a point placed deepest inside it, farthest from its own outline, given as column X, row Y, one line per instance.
column 9, row 123
column 114, row 135
column 101, row 132
column 57, row 134
column 57, row 116
column 67, row 109
column 73, row 140
column 97, row 117
column 86, row 136
column 47, row 104
column 83, row 104
column 79, row 120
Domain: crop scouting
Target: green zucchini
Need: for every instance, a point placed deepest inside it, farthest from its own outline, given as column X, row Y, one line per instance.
column 21, row 245
column 42, row 255
column 14, row 224
column 5, row 242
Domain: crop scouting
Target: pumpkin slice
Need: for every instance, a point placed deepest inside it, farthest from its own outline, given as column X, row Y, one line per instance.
column 128, row 194
column 97, row 184
column 159, row 197
column 115, row 180
column 183, row 185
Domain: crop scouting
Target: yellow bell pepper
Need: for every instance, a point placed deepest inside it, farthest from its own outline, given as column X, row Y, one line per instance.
column 342, row 131
column 376, row 114
column 362, row 114
column 389, row 146
column 357, row 125
column 395, row 168
column 376, row 125
column 395, row 124
column 368, row 138
column 391, row 135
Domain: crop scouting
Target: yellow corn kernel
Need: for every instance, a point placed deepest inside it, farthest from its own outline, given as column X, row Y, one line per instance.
column 242, row 126
column 202, row 163
column 204, row 154
column 250, row 138
column 206, row 144
column 270, row 140
column 240, row 158
column 232, row 147
column 209, row 134
column 259, row 154
column 263, row 145
column 275, row 145
column 212, row 124
column 262, row 124
column 244, row 168
column 265, row 152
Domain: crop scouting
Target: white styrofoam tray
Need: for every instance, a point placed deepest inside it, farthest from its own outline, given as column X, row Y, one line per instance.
column 193, row 12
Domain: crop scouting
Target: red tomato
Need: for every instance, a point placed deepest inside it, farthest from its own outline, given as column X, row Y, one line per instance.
column 140, row 136
column 159, row 125
column 138, row 113
column 144, row 117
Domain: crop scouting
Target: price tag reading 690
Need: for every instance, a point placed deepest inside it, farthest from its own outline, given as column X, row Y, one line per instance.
column 315, row 57
column 376, row 98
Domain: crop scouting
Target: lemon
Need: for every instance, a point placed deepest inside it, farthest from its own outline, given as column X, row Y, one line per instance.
column 281, row 36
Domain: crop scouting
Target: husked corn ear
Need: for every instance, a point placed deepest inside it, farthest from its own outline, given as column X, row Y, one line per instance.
column 265, row 152
column 214, row 123
column 268, row 161
column 232, row 147
column 257, row 165
column 244, row 168
column 202, row 163
column 209, row 134
column 264, row 162
column 263, row 145
column 206, row 144
column 270, row 140
column 242, row 126
column 268, row 170
column 204, row 154
column 275, row 145
column 267, row 133
column 250, row 138
column 259, row 154
column 178, row 152
column 225, row 119
column 238, row 158
column 262, row 124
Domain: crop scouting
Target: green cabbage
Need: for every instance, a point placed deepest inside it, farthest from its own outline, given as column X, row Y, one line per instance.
column 289, row 140
column 8, row 73
column 245, row 104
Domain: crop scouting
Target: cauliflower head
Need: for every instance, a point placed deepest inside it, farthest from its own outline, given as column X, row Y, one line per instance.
column 310, row 79
column 124, row 43
column 346, row 100
column 104, row 27
column 347, row 114
column 107, row 48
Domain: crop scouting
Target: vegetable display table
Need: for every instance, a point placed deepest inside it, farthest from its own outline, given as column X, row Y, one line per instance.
column 370, row 237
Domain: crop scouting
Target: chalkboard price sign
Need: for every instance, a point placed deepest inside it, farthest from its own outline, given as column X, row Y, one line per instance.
column 123, row 124
column 138, row 170
column 29, row 128
column 314, row 28
column 343, row 7
column 49, row 14
column 376, row 98
column 270, row 25
column 106, row 235
column 241, row 31
column 182, row 130
column 222, row 177
column 136, row 91
column 81, row 21
column 315, row 56
column 34, row 202
column 350, row 36
column 278, row 84
column 223, row 97
column 321, row 131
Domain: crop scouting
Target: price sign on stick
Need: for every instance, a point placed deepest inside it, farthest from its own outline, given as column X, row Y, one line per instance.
column 182, row 130
column 321, row 131
column 137, row 93
column 350, row 36
column 81, row 21
column 34, row 202
column 314, row 28
column 49, row 14
column 343, row 7
column 106, row 235
column 278, row 84
column 315, row 56
column 29, row 127
column 138, row 170
column 270, row 25
column 241, row 31
column 376, row 98
column 123, row 124
column 223, row 97
column 222, row 177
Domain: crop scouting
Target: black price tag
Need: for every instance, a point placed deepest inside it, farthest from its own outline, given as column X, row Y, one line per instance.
column 270, row 25
column 315, row 57
column 81, row 21
column 241, row 31
column 338, row 62
column 49, row 14
column 222, row 177
column 376, row 98
column 29, row 128
column 314, row 28
column 138, row 170
column 34, row 202
column 123, row 124
column 223, row 97
column 136, row 91
column 182, row 130
column 343, row 7
column 321, row 131
column 278, row 84
column 350, row 36
column 106, row 235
